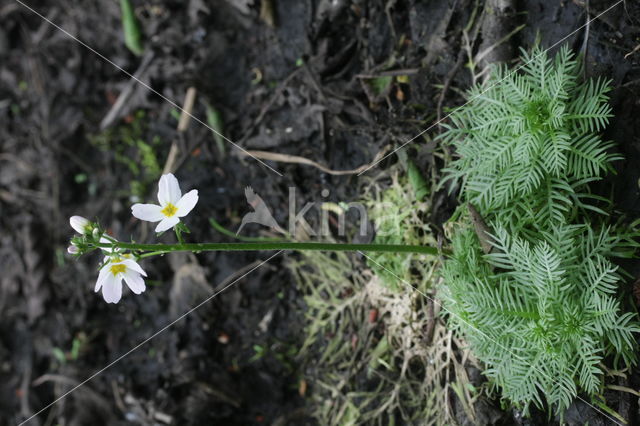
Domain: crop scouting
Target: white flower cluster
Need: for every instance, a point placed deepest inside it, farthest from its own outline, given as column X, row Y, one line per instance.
column 118, row 266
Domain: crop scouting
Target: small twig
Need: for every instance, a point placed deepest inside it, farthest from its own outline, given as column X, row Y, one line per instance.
column 68, row 381
column 390, row 73
column 183, row 125
column 126, row 93
column 635, row 49
column 447, row 82
column 431, row 317
column 632, row 82
column 498, row 18
column 481, row 228
column 44, row 27
column 431, row 320
column 266, row 13
column 286, row 158
column 169, row 165
column 486, row 52
column 117, row 398
column 7, row 9
column 585, row 42
column 387, row 11
column 314, row 82
column 623, row 389
column 469, row 35
column 25, row 409
column 185, row 117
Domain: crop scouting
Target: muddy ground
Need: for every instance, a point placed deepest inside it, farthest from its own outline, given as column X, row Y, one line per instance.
column 289, row 76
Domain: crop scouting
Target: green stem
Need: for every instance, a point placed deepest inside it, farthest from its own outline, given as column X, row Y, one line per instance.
column 285, row 245
column 151, row 253
column 179, row 235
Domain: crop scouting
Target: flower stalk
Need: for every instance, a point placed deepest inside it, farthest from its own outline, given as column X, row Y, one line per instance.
column 158, row 249
column 120, row 261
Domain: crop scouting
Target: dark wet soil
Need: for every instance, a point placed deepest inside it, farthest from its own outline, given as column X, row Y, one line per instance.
column 304, row 85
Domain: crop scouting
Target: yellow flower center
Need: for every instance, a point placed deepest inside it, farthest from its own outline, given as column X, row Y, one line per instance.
column 118, row 268
column 169, row 210
column 117, row 258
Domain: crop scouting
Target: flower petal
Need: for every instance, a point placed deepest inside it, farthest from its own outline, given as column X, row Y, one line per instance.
column 187, row 203
column 79, row 224
column 168, row 190
column 148, row 212
column 167, row 223
column 134, row 281
column 133, row 265
column 102, row 277
column 112, row 289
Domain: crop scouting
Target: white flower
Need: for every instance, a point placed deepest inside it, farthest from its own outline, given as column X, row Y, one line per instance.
column 114, row 271
column 173, row 205
column 80, row 225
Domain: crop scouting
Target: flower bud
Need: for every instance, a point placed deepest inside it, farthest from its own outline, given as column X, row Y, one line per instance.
column 80, row 224
column 73, row 249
